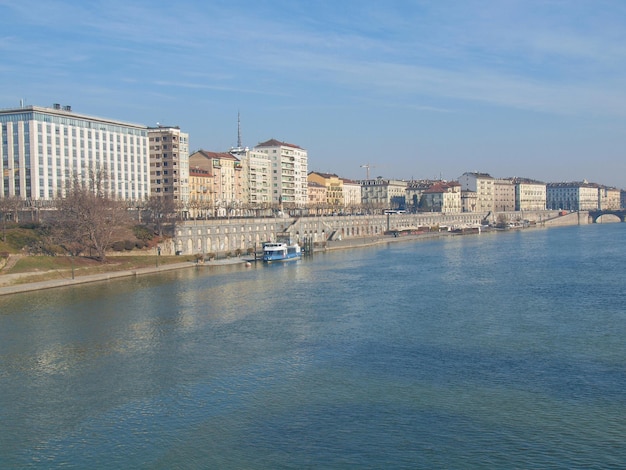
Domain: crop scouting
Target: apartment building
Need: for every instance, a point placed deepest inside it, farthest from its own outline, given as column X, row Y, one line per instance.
column 503, row 195
column 442, row 197
column 228, row 192
column 334, row 188
column 383, row 193
column 351, row 193
column 574, row 196
column 608, row 198
column 469, row 200
column 201, row 193
column 43, row 148
column 483, row 185
column 317, row 197
column 169, row 163
column 256, row 177
column 530, row 195
column 289, row 169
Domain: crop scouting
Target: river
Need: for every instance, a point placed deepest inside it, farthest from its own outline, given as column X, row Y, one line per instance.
column 497, row 350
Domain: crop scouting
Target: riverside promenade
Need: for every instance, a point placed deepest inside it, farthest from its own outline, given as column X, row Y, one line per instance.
column 67, row 282
column 346, row 243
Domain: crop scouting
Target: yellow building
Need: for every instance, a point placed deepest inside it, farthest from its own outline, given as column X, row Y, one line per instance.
column 334, row 188
column 227, row 185
column 201, row 193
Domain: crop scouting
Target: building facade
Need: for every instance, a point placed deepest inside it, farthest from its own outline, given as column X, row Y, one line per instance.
column 228, row 192
column 169, row 163
column 483, row 185
column 351, row 194
column 256, row 177
column 572, row 196
column 442, row 197
column 200, row 193
column 381, row 193
column 289, row 169
column 530, row 195
column 334, row 188
column 317, row 198
column 608, row 198
column 503, row 195
column 43, row 148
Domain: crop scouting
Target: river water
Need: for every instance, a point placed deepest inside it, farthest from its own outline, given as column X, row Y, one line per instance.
column 491, row 351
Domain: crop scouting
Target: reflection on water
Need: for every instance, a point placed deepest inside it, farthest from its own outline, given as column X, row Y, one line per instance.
column 482, row 351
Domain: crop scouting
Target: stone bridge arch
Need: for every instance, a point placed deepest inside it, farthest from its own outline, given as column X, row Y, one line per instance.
column 599, row 217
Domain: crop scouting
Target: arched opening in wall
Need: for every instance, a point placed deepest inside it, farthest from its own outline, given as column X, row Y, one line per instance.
column 209, row 245
column 189, row 246
column 242, row 245
column 226, row 247
column 179, row 246
column 343, row 232
column 199, row 245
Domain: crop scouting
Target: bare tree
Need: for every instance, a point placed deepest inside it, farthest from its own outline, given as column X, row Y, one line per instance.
column 88, row 216
column 161, row 212
column 9, row 206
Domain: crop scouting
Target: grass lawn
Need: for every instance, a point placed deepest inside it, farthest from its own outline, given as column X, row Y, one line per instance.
column 42, row 268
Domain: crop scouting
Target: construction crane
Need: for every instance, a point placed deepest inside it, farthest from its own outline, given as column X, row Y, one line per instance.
column 367, row 167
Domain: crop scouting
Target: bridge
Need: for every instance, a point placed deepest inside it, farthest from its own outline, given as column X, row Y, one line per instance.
column 595, row 215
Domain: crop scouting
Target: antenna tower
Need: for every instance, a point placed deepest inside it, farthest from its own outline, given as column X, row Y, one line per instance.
column 238, row 131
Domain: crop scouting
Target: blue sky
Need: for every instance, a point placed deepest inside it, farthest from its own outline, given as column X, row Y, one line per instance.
column 417, row 89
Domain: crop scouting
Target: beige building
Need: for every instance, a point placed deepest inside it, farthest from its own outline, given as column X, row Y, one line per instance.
column 469, row 200
column 608, row 198
column 503, row 195
column 442, row 197
column 289, row 168
column 381, row 193
column 256, row 177
column 317, row 198
column 483, row 185
column 201, row 193
column 530, row 195
column 227, row 180
column 169, row 163
column 334, row 188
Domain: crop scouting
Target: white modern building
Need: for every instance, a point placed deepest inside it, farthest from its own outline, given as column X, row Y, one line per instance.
column 43, row 148
column 289, row 169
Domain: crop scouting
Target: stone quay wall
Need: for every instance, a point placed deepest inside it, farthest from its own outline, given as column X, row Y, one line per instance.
column 240, row 235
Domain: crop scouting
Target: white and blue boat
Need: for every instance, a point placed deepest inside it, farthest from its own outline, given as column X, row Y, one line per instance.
column 281, row 251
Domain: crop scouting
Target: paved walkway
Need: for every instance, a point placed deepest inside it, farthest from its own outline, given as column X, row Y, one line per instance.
column 50, row 284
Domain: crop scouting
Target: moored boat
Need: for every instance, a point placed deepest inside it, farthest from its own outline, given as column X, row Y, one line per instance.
column 281, row 251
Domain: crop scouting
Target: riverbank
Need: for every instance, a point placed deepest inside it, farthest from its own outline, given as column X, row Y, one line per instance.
column 66, row 280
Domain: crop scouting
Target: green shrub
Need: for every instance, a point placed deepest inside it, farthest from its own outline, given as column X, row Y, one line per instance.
column 142, row 232
column 118, row 246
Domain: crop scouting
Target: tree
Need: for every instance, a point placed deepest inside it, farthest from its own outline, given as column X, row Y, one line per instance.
column 161, row 211
column 9, row 205
column 88, row 216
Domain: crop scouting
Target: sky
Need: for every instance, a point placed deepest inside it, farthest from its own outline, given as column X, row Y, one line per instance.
column 413, row 89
